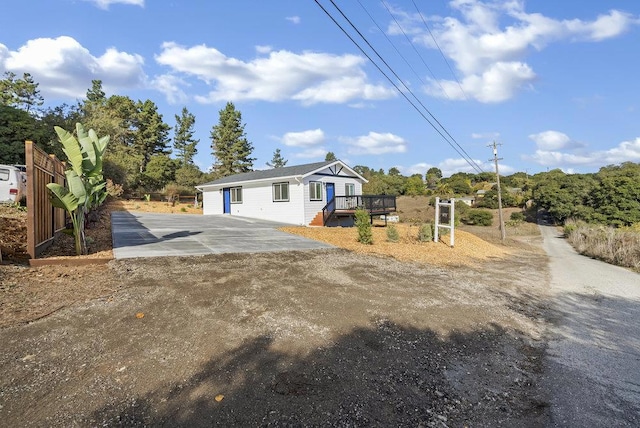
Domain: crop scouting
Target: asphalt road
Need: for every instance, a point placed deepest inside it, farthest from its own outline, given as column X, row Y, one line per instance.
column 592, row 367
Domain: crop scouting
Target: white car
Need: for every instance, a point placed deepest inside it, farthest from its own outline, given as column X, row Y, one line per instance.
column 13, row 184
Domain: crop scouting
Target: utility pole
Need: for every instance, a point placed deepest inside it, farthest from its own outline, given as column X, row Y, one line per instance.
column 495, row 160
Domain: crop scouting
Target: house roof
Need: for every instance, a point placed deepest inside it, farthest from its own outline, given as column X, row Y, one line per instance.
column 283, row 172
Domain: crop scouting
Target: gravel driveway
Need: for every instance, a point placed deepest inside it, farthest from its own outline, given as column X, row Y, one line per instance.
column 593, row 358
column 303, row 338
column 141, row 234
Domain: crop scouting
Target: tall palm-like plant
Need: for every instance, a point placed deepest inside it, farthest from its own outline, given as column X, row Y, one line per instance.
column 85, row 183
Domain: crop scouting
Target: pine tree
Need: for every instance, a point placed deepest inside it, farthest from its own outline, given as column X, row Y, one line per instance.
column 20, row 93
column 230, row 147
column 152, row 136
column 96, row 94
column 277, row 161
column 183, row 142
column 330, row 157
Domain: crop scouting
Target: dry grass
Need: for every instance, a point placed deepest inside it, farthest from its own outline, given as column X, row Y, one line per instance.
column 615, row 246
column 468, row 249
column 153, row 206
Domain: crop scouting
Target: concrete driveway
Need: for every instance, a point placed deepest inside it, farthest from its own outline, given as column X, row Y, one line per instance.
column 156, row 235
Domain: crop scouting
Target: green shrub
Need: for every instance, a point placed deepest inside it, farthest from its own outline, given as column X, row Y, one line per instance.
column 183, row 209
column 392, row 233
column 365, row 235
column 425, row 233
column 478, row 217
column 517, row 216
column 461, row 208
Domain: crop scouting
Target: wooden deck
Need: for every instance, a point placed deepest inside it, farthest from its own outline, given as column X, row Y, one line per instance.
column 346, row 206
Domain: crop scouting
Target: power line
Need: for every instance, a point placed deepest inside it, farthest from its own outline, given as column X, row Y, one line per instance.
column 392, row 44
column 470, row 160
column 414, row 48
column 461, row 150
column 441, row 53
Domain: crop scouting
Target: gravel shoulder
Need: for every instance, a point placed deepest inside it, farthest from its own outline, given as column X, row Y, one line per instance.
column 326, row 337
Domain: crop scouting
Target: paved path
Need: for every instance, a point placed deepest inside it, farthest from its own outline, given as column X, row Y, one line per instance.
column 593, row 358
column 152, row 235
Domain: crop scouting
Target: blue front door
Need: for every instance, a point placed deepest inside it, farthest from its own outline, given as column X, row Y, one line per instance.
column 331, row 193
column 226, row 198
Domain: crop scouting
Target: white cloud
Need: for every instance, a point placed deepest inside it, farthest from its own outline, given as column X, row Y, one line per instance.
column 263, row 49
column 626, row 151
column 316, row 152
column 554, row 140
column 312, row 137
column 419, row 168
column 491, row 40
column 170, row 86
column 293, row 19
column 104, row 4
column 497, row 83
column 451, row 166
column 375, row 143
column 605, row 27
column 64, row 68
column 308, row 77
column 552, row 159
column 485, row 135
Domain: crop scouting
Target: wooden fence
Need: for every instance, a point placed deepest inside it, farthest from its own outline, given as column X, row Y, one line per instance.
column 43, row 220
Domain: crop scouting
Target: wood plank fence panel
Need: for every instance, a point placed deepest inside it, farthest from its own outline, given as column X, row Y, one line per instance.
column 43, row 220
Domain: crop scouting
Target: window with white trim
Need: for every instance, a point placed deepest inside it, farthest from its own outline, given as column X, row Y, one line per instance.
column 315, row 190
column 236, row 195
column 349, row 189
column 280, row 192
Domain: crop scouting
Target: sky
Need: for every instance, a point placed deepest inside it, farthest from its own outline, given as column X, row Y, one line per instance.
column 554, row 83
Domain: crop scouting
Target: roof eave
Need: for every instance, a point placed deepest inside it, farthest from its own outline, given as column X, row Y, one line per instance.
column 236, row 183
column 332, row 164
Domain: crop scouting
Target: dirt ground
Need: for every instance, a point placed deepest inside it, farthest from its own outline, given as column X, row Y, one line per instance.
column 330, row 337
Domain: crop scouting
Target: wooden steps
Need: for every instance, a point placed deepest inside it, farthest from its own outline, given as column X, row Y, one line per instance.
column 317, row 220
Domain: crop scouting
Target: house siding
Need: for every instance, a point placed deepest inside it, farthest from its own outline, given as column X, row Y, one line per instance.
column 257, row 202
column 257, row 196
column 311, row 208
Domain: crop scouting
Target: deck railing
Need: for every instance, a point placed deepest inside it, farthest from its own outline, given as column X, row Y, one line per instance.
column 373, row 204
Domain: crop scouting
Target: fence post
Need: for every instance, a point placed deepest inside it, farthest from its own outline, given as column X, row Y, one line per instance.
column 43, row 220
column 31, row 196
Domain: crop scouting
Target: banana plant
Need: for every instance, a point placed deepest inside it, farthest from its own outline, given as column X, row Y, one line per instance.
column 85, row 187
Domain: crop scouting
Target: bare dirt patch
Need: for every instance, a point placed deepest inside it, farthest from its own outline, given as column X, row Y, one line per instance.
column 29, row 293
column 326, row 337
column 330, row 337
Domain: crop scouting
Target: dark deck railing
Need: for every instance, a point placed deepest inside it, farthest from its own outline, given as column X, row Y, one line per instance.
column 373, row 204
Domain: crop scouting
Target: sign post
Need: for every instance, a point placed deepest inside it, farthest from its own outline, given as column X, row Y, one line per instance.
column 444, row 214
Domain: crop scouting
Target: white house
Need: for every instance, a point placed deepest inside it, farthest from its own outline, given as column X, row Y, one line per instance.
column 292, row 194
